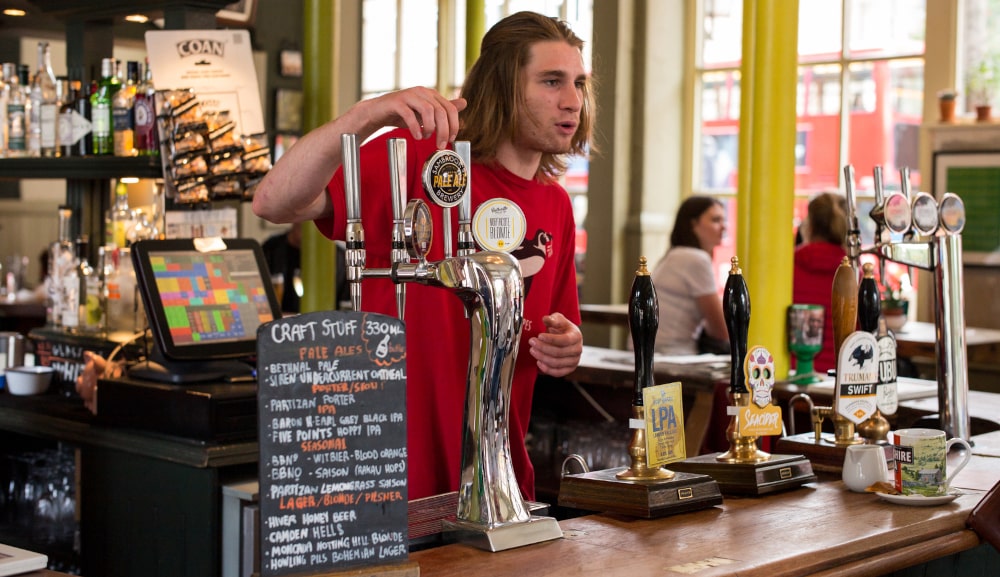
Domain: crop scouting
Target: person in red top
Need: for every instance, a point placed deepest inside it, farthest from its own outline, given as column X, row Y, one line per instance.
column 526, row 103
column 824, row 234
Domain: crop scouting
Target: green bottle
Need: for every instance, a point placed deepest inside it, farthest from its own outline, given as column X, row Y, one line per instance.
column 100, row 103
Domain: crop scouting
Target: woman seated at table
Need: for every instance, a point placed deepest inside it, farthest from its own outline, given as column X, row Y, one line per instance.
column 824, row 238
column 691, row 319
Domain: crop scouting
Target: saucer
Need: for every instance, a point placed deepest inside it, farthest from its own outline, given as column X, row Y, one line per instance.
column 920, row 500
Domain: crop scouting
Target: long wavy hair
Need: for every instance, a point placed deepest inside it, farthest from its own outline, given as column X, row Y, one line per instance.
column 494, row 90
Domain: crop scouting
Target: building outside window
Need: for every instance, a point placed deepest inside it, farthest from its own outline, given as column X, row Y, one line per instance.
column 859, row 100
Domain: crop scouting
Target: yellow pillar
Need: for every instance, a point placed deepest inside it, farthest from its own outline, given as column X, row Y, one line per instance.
column 766, row 193
column 318, row 253
column 475, row 29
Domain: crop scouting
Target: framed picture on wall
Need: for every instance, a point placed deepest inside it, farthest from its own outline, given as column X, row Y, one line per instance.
column 288, row 110
column 975, row 177
column 290, row 62
column 239, row 14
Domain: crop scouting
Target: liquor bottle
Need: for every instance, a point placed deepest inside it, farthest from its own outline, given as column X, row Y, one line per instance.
column 84, row 145
column 16, row 108
column 146, row 141
column 88, row 301
column 121, row 217
column 100, row 102
column 4, row 78
column 43, row 125
column 123, row 313
column 122, row 119
column 66, row 94
column 142, row 229
column 61, row 256
column 71, row 289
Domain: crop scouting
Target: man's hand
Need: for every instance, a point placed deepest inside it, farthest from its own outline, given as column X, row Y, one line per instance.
column 557, row 351
column 95, row 367
column 423, row 111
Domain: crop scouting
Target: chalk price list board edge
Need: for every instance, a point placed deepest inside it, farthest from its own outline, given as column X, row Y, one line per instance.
column 332, row 435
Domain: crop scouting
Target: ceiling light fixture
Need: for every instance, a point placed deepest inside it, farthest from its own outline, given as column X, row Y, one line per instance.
column 14, row 12
column 137, row 18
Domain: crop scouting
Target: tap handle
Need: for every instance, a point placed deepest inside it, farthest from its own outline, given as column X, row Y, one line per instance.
column 643, row 320
column 852, row 206
column 466, row 240
column 355, row 254
column 844, row 304
column 397, row 176
column 879, row 185
column 736, row 309
column 853, row 229
column 352, row 187
column 397, row 184
column 869, row 301
column 904, row 182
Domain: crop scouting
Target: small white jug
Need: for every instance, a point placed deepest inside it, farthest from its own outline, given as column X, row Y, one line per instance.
column 864, row 465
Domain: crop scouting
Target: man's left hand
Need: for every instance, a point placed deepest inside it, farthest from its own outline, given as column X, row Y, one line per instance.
column 557, row 351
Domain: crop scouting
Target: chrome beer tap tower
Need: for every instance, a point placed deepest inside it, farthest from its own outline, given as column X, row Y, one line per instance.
column 931, row 240
column 491, row 512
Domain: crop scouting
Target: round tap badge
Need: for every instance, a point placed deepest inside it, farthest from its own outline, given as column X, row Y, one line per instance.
column 925, row 213
column 952, row 213
column 418, row 229
column 498, row 225
column 897, row 213
column 445, row 178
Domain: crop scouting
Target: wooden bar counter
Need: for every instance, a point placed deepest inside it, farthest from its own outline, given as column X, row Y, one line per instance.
column 818, row 529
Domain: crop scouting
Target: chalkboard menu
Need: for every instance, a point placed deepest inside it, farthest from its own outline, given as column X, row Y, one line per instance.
column 332, row 408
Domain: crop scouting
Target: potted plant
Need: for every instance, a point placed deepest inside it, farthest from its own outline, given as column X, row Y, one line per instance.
column 983, row 82
column 946, row 102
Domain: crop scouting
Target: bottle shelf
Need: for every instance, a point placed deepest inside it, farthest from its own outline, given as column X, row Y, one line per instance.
column 82, row 167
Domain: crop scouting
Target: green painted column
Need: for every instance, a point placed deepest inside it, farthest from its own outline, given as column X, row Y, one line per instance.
column 475, row 29
column 766, row 193
column 318, row 253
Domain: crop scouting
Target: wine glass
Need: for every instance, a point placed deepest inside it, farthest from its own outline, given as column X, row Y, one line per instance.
column 805, row 340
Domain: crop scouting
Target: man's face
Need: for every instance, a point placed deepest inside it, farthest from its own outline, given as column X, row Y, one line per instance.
column 553, row 95
column 815, row 324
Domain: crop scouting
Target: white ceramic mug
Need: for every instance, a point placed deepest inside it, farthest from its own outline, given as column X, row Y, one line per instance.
column 921, row 461
column 864, row 465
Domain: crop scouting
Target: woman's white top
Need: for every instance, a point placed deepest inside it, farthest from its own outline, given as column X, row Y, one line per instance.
column 682, row 276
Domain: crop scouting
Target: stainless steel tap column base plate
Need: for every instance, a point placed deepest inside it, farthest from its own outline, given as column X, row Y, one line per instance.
column 603, row 491
column 535, row 530
column 778, row 473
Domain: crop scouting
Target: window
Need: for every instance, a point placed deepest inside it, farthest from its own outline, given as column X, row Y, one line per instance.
column 859, row 98
column 399, row 45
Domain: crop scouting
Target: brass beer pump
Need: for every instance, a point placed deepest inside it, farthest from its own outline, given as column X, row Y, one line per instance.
column 736, row 309
column 491, row 512
column 640, row 490
column 745, row 469
column 643, row 318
